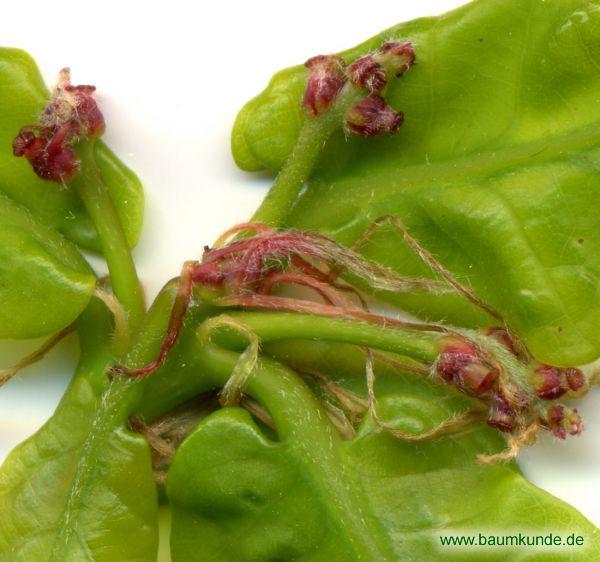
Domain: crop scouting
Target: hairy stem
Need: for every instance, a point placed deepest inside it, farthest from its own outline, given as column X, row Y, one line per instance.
column 290, row 325
column 9, row 372
column 99, row 205
column 315, row 131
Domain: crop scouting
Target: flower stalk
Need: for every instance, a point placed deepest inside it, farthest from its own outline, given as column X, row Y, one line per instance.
column 61, row 149
column 336, row 98
column 98, row 203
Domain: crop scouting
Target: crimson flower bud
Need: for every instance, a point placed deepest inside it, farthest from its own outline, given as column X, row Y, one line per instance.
column 563, row 421
column 49, row 156
column 71, row 114
column 396, row 57
column 326, row 79
column 575, row 379
column 74, row 106
column 501, row 414
column 551, row 382
column 373, row 116
column 548, row 382
column 368, row 73
column 460, row 364
column 88, row 119
column 373, row 71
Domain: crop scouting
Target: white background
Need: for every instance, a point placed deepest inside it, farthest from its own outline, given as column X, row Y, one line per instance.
column 171, row 77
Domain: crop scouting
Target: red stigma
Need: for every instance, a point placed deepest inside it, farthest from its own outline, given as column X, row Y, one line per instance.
column 326, row 79
column 563, row 421
column 551, row 382
column 71, row 114
column 49, row 155
column 368, row 73
column 461, row 365
column 397, row 56
column 501, row 415
column 373, row 116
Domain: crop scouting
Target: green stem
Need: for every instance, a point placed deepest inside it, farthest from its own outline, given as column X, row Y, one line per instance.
column 294, row 407
column 149, row 338
column 100, row 207
column 276, row 326
column 302, row 422
column 163, row 393
column 315, row 131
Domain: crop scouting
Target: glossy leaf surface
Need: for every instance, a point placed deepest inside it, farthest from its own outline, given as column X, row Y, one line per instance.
column 22, row 97
column 495, row 170
column 237, row 494
column 45, row 283
column 81, row 488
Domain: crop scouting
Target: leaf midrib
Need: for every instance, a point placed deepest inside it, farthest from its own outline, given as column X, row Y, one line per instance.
column 106, row 411
column 486, row 163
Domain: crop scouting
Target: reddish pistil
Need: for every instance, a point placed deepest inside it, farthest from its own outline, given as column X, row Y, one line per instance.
column 71, row 114
column 373, row 116
column 551, row 382
column 461, row 365
column 48, row 152
column 373, row 71
column 501, row 414
column 326, row 79
column 563, row 421
column 367, row 73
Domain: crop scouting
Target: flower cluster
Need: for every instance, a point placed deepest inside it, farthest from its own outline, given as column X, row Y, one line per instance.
column 463, row 365
column 71, row 114
column 371, row 115
column 494, row 367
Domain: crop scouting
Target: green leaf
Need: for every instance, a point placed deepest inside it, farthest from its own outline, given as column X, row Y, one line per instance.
column 236, row 494
column 495, row 170
column 81, row 488
column 45, row 283
column 22, row 97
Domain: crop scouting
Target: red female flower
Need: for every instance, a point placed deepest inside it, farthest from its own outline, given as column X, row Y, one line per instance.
column 373, row 71
column 461, row 365
column 373, row 116
column 564, row 421
column 70, row 115
column 326, row 79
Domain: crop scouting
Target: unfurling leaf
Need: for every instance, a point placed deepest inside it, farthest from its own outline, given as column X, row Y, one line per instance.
column 45, row 282
column 494, row 170
column 81, row 488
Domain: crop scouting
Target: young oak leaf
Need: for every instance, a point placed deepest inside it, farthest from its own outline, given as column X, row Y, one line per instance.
column 493, row 170
column 45, row 283
column 81, row 488
column 312, row 490
column 311, row 496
